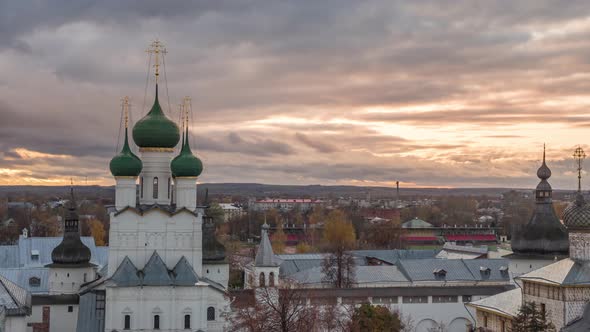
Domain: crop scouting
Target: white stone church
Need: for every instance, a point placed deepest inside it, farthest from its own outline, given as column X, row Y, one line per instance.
column 165, row 270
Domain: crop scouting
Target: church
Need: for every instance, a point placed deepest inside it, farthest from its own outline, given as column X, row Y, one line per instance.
column 165, row 270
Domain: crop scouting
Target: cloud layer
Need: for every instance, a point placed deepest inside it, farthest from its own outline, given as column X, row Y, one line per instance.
column 303, row 92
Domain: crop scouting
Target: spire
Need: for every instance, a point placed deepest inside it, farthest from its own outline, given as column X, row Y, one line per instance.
column 265, row 256
column 579, row 157
column 544, row 172
column 71, row 250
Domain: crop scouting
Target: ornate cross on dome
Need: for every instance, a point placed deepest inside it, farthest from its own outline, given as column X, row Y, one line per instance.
column 125, row 105
column 157, row 48
column 579, row 157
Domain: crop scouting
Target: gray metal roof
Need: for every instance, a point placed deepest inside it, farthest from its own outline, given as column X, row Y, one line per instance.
column 15, row 299
column 507, row 303
column 126, row 274
column 456, row 269
column 563, row 272
column 19, row 255
column 21, row 277
column 363, row 275
column 265, row 255
column 155, row 272
column 184, row 274
column 90, row 319
column 393, row 256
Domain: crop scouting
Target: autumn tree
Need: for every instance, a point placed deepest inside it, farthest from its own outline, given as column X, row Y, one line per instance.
column 339, row 237
column 368, row 317
column 216, row 212
column 383, row 235
column 97, row 231
column 531, row 318
column 304, row 248
column 279, row 238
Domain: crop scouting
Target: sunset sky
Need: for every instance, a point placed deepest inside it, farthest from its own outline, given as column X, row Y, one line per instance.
column 430, row 93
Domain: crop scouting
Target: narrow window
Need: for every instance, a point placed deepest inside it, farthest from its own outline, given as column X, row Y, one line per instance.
column 156, row 322
column 261, row 280
column 141, row 187
column 485, row 321
column 85, row 276
column 127, row 325
column 169, row 184
column 503, row 328
column 210, row 313
column 155, row 188
column 70, row 308
column 100, row 304
column 271, row 279
column 187, row 321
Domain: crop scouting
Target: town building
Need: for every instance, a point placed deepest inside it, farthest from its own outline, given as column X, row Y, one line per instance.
column 429, row 290
column 231, row 211
column 417, row 232
column 561, row 289
column 284, row 204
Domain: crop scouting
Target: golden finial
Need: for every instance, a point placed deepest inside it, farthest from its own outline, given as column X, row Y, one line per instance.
column 187, row 103
column 125, row 104
column 579, row 157
column 157, row 48
column 181, row 110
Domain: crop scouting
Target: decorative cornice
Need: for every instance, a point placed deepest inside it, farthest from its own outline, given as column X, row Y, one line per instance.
column 156, row 149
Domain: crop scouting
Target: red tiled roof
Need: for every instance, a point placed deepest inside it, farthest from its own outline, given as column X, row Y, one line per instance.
column 473, row 237
column 420, row 238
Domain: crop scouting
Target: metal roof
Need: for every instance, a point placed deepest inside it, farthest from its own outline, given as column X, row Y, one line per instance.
column 90, row 319
column 506, row 303
column 21, row 277
column 563, row 272
column 184, row 274
column 15, row 299
column 265, row 255
column 19, row 255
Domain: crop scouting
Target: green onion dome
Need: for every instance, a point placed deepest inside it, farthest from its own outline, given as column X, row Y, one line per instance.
column 155, row 130
column 186, row 164
column 125, row 163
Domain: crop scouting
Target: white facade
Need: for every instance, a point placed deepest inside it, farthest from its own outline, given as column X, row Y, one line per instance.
column 155, row 177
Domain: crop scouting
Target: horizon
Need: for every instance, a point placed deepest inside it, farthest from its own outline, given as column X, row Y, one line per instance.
column 361, row 94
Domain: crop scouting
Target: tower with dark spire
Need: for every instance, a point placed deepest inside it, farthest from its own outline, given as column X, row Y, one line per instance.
column 544, row 234
column 71, row 265
column 577, row 217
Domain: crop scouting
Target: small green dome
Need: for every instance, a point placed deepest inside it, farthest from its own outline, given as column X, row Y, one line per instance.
column 125, row 163
column 186, row 164
column 155, row 130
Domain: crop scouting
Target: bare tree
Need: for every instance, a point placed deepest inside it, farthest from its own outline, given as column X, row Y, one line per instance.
column 282, row 309
column 338, row 269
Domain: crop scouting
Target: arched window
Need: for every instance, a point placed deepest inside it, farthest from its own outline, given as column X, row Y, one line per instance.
column 210, row 313
column 169, row 185
column 271, row 279
column 155, row 188
column 156, row 322
column 261, row 280
column 187, row 321
column 34, row 282
column 127, row 323
column 141, row 187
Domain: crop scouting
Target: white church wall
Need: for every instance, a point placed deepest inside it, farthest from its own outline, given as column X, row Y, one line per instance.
column 15, row 324
column 138, row 236
column 170, row 303
column 68, row 280
column 217, row 272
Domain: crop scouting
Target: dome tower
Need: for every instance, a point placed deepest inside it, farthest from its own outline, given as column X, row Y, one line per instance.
column 544, row 234
column 156, row 136
column 577, row 217
column 125, row 167
column 186, row 167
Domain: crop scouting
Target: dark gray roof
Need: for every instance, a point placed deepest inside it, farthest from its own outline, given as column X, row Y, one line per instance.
column 15, row 300
column 126, row 274
column 581, row 324
column 184, row 274
column 155, row 272
column 544, row 233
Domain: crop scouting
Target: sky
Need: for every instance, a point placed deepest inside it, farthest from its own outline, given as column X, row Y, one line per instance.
column 337, row 92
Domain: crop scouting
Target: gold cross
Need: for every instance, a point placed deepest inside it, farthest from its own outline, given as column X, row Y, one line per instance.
column 157, row 48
